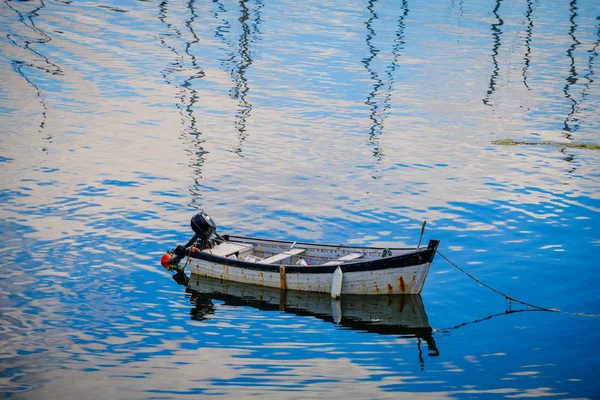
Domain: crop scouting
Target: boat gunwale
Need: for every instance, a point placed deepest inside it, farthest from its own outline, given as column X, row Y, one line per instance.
column 233, row 238
column 419, row 256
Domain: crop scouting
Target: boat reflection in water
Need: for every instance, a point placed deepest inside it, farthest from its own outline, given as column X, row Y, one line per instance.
column 402, row 315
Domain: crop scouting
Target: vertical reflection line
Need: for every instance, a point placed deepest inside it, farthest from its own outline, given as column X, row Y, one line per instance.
column 220, row 32
column 570, row 159
column 593, row 54
column 256, row 22
column 249, row 34
column 452, row 6
column 529, row 33
column 377, row 126
column 177, row 64
column 48, row 66
column 379, row 112
column 241, row 83
column 576, row 105
column 398, row 45
column 421, row 359
column 187, row 96
column 197, row 72
column 431, row 346
column 18, row 68
column 223, row 27
column 496, row 34
column 568, row 129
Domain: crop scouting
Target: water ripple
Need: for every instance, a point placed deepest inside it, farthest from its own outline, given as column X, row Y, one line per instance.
column 335, row 122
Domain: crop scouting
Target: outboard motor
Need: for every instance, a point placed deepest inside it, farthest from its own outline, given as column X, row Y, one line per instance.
column 203, row 226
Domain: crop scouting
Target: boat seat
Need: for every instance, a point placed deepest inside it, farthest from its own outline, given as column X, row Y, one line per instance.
column 282, row 256
column 227, row 249
column 347, row 257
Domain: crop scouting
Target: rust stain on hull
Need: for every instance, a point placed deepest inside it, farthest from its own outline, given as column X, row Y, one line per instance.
column 401, row 306
column 363, row 282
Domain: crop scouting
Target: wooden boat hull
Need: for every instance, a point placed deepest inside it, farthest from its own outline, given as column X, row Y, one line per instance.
column 404, row 273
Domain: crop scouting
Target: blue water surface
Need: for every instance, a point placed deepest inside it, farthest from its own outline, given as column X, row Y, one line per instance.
column 327, row 122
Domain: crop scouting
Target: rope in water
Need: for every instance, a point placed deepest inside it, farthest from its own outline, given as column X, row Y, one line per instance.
column 486, row 318
column 510, row 298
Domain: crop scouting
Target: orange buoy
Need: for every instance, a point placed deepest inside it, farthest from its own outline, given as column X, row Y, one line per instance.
column 165, row 259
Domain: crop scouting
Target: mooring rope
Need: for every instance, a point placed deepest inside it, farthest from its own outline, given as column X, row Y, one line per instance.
column 510, row 298
column 485, row 319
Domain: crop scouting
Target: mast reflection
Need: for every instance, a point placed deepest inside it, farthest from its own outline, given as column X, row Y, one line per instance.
column 379, row 109
column 528, row 35
column 186, row 63
column 571, row 160
column 38, row 61
column 238, row 63
column 496, row 34
column 375, row 116
column 572, row 122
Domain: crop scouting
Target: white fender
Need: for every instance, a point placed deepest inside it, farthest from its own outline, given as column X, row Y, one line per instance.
column 336, row 310
column 336, row 284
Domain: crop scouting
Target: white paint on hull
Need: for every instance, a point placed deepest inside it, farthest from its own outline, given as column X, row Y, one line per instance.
column 405, row 280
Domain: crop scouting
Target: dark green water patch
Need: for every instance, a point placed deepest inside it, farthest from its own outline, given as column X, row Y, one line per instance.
column 573, row 145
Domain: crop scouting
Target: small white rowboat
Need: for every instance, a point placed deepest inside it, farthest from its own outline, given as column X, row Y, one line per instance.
column 334, row 269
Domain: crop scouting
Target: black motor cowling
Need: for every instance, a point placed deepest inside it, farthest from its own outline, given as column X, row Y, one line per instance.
column 203, row 226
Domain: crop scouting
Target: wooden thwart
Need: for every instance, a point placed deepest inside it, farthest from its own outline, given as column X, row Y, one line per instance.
column 282, row 256
column 347, row 257
column 227, row 249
